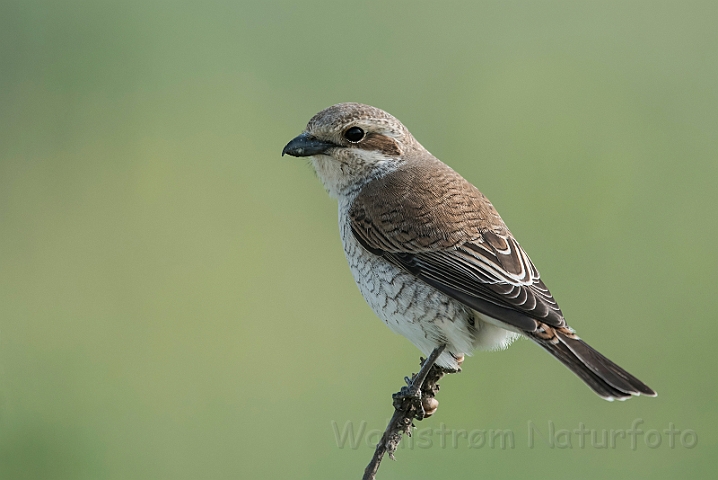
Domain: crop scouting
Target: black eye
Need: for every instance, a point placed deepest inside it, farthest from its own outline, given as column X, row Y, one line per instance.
column 354, row 134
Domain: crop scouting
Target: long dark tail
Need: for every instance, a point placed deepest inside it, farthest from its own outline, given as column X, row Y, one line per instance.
column 603, row 376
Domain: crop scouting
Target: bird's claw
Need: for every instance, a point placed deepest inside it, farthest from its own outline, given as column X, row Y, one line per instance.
column 409, row 399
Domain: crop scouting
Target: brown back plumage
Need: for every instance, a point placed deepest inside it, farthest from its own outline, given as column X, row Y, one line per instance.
column 423, row 206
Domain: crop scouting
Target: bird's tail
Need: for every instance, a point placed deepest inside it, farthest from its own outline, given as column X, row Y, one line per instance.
column 607, row 379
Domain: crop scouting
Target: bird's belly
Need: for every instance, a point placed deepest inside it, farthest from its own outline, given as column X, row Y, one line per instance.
column 417, row 310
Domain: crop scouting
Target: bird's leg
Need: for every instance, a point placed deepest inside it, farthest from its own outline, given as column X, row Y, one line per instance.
column 431, row 386
column 409, row 398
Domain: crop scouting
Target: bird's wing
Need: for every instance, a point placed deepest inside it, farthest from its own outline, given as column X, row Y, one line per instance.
column 434, row 224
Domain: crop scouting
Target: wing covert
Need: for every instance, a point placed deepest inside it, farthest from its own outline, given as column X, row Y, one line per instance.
column 454, row 241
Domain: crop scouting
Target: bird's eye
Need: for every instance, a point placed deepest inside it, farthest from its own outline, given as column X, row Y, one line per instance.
column 354, row 134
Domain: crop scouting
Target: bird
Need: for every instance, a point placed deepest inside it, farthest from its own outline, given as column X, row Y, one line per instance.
column 430, row 253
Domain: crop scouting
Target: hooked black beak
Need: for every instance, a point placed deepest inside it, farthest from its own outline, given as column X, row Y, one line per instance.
column 305, row 145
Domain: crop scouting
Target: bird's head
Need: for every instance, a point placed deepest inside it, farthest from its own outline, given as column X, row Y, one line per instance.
column 351, row 143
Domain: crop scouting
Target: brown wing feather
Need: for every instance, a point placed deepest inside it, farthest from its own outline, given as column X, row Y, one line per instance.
column 451, row 237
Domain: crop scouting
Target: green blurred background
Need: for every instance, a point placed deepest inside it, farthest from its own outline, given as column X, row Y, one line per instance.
column 174, row 300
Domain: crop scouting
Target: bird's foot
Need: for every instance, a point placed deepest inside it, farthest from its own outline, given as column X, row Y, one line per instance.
column 409, row 399
column 459, row 362
column 419, row 402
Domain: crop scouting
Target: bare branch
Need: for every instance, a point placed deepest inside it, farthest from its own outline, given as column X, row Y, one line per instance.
column 414, row 401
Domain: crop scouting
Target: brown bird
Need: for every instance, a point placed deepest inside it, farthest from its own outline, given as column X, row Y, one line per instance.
column 430, row 253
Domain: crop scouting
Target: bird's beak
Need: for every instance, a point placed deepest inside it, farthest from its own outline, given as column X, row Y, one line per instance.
column 305, row 145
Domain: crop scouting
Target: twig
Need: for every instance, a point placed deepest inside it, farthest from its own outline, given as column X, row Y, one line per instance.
column 414, row 401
